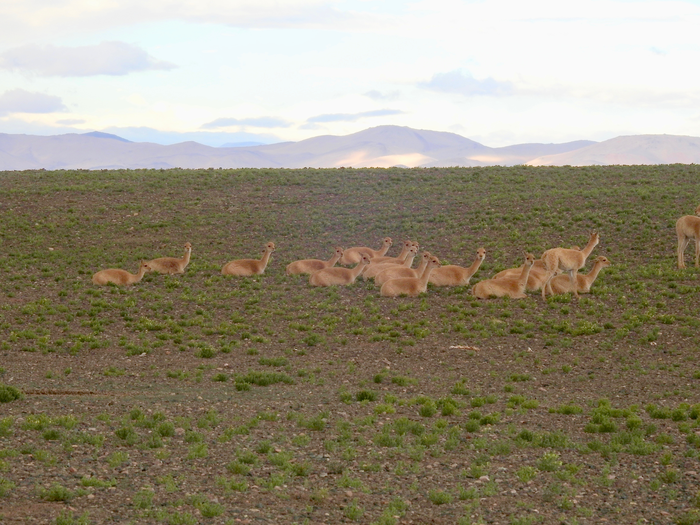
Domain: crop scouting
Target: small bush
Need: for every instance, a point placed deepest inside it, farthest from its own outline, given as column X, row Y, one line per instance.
column 439, row 497
column 366, row 395
column 56, row 492
column 9, row 393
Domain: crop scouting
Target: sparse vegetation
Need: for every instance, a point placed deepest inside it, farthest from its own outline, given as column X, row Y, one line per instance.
column 183, row 398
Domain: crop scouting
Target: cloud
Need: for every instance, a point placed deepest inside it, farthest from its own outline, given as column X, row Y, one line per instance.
column 352, row 117
column 256, row 122
column 32, row 19
column 21, row 101
column 106, row 58
column 463, row 83
column 378, row 95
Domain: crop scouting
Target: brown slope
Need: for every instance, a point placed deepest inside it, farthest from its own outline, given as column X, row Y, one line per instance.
column 628, row 150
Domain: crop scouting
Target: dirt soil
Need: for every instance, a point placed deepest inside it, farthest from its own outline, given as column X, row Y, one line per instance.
column 141, row 403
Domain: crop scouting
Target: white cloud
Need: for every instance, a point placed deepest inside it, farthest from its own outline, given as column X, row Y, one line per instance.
column 42, row 18
column 106, row 58
column 21, row 101
column 463, row 83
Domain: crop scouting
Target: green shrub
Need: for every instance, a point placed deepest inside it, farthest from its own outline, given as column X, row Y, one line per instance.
column 9, row 393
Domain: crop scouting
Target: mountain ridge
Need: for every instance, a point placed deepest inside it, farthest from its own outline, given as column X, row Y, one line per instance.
column 381, row 146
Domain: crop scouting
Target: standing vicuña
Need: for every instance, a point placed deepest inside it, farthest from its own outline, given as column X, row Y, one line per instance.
column 171, row 265
column 338, row 276
column 452, row 275
column 313, row 265
column 354, row 255
column 568, row 261
column 247, row 267
column 411, row 286
column 688, row 227
column 562, row 284
column 505, row 286
column 120, row 277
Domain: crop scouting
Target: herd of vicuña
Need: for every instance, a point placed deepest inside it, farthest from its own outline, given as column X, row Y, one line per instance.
column 556, row 272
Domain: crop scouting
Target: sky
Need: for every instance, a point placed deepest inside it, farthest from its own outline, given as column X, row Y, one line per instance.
column 499, row 72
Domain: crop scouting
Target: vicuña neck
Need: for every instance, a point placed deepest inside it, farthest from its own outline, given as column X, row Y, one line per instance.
column 592, row 242
column 475, row 265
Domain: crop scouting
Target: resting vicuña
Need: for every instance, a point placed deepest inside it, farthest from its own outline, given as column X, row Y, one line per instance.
column 313, row 265
column 373, row 269
column 562, row 284
column 120, row 277
column 338, row 276
column 568, row 261
column 399, row 258
column 505, row 286
column 247, row 267
column 354, row 255
column 411, row 286
column 535, row 279
column 171, row 265
column 688, row 227
column 397, row 272
column 452, row 275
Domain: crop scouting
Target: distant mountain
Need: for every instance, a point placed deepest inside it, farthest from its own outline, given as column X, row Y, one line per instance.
column 382, row 146
column 633, row 149
column 241, row 144
column 101, row 135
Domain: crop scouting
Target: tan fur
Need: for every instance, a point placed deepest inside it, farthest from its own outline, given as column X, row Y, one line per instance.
column 354, row 255
column 568, row 261
column 248, row 267
column 171, row 265
column 373, row 269
column 452, row 275
column 120, row 277
column 688, row 227
column 535, row 280
column 310, row 266
column 398, row 272
column 399, row 258
column 505, row 286
column 338, row 276
column 411, row 286
column 561, row 283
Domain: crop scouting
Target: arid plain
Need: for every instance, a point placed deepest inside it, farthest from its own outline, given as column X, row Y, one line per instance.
column 207, row 398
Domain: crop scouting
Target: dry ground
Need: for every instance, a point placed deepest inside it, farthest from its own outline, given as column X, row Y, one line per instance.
column 204, row 399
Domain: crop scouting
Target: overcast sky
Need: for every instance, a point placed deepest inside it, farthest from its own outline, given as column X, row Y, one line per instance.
column 496, row 71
